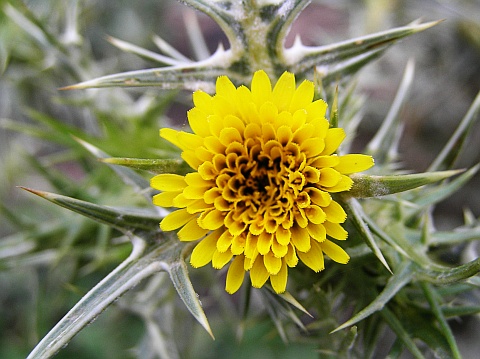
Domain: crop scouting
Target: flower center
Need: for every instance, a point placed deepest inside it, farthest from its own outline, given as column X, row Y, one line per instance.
column 262, row 183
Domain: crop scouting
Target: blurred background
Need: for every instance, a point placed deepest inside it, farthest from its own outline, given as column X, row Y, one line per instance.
column 34, row 294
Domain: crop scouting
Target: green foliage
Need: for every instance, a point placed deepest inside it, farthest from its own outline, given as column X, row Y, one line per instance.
column 405, row 276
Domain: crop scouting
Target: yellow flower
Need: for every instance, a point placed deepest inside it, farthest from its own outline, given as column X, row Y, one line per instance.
column 265, row 167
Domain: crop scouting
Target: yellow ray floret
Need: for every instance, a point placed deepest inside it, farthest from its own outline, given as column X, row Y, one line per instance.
column 265, row 167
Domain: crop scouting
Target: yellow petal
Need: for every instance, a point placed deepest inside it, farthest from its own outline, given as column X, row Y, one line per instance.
column 300, row 238
column 268, row 132
column 175, row 220
column 326, row 161
column 202, row 100
column 224, row 241
column 284, row 118
column 329, row 177
column 335, row 230
column 334, row 138
column 212, row 219
column 198, row 122
column 272, row 263
column 319, row 197
column 203, row 252
column 248, row 263
column 264, row 242
column 237, row 228
column 215, row 122
column 258, row 273
column 189, row 140
column 207, row 171
column 180, row 201
column 313, row 258
column 284, row 135
column 312, row 146
column 251, row 245
column 283, row 236
column 299, row 118
column 171, row 136
column 253, row 130
column 190, row 157
column 191, row 231
column 303, row 133
column 219, row 259
column 335, row 213
column 279, row 280
column 168, row 182
column 301, row 218
column 235, row 122
column 315, row 214
column 213, row 144
column 261, row 88
column 229, row 135
column 271, row 225
column 353, row 163
column 225, row 88
column 212, row 194
column 222, row 106
column 165, row 199
column 221, row 204
column 197, row 206
column 303, row 96
column 311, row 174
column 246, row 107
column 235, row 275
column 344, row 184
column 317, row 231
column 283, row 91
column 335, row 252
column 238, row 245
column 316, row 109
column 278, row 249
column 191, row 192
column 195, row 179
column 291, row 258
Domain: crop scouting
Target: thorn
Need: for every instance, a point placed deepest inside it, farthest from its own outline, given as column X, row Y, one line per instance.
column 34, row 191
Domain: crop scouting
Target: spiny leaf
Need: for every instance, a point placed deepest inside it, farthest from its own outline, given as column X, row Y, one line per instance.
column 141, row 52
column 449, row 275
column 303, row 59
column 120, row 280
column 381, row 144
column 375, row 186
column 179, row 275
column 403, row 276
column 434, row 195
column 290, row 299
column 156, row 166
column 396, row 325
column 222, row 14
column 437, row 312
column 334, row 111
column 128, row 176
column 458, row 236
column 144, row 261
column 354, row 210
column 459, row 311
column 140, row 222
column 453, row 148
column 411, row 249
column 348, row 342
column 199, row 75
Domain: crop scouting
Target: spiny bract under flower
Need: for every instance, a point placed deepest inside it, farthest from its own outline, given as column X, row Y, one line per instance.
column 265, row 169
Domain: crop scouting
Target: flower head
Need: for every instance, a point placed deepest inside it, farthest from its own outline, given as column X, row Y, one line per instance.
column 264, row 169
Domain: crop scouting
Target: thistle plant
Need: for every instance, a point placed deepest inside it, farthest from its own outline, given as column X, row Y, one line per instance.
column 339, row 248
